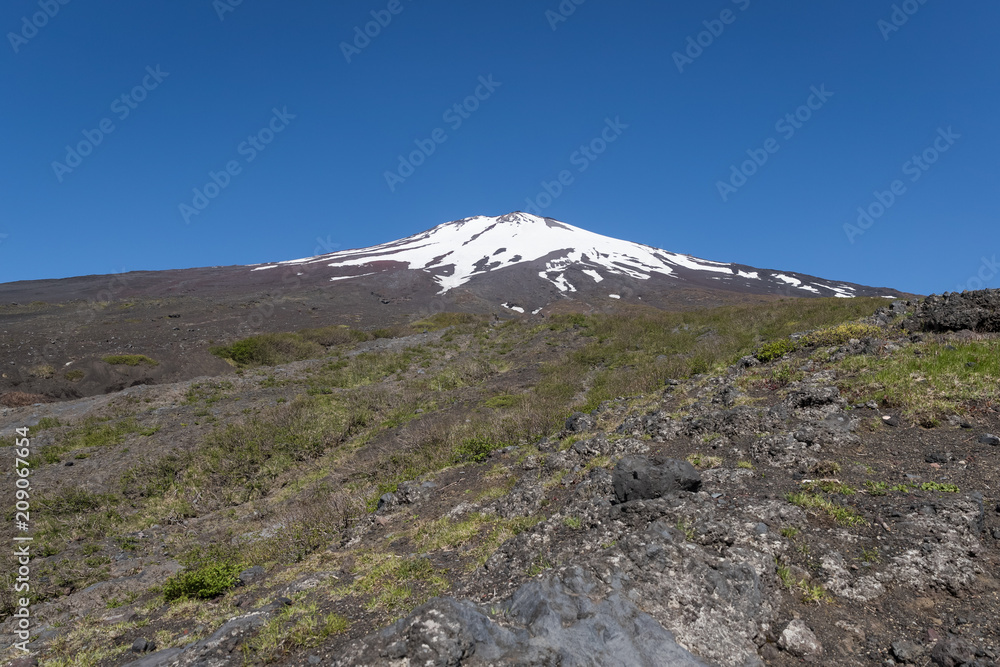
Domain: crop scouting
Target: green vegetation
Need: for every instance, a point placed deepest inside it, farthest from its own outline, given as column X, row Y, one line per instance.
column 93, row 432
column 927, row 381
column 279, row 348
column 830, row 487
column 774, row 349
column 130, row 360
column 639, row 348
column 294, row 627
column 703, row 461
column 75, row 375
column 876, row 488
column 46, row 422
column 843, row 515
column 208, row 581
column 268, row 350
column 841, row 334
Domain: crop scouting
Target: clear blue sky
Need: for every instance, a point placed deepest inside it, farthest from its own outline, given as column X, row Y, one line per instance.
column 224, row 69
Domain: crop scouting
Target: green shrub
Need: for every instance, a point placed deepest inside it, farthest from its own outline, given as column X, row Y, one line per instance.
column 75, row 375
column 841, row 334
column 47, row 422
column 476, row 449
column 129, row 360
column 205, row 582
column 268, row 350
column 775, row 349
column 148, row 480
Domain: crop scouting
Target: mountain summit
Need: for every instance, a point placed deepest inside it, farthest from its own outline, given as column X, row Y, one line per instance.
column 536, row 258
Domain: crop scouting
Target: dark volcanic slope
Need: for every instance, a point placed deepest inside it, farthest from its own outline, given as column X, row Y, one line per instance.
column 510, row 265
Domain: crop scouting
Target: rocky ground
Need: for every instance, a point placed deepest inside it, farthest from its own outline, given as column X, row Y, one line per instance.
column 817, row 506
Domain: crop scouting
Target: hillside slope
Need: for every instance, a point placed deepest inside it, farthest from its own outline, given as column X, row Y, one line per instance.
column 831, row 496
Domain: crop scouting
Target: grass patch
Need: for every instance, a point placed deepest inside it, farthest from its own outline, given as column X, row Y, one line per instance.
column 205, row 582
column 129, row 360
column 268, row 350
column 842, row 515
column 702, row 461
column 294, row 627
column 928, row 381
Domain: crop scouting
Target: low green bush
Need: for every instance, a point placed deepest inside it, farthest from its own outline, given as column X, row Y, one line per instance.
column 774, row 350
column 841, row 334
column 205, row 582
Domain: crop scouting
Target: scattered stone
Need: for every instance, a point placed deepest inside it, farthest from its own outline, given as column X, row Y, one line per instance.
column 251, row 573
column 142, row 645
column 799, row 640
column 387, row 501
column 953, row 651
column 906, row 650
column 643, row 478
column 558, row 619
column 579, row 422
column 989, row 439
column 890, row 420
column 936, row 457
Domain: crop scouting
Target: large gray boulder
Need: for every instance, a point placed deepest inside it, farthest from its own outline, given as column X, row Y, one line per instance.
column 644, row 478
column 559, row 619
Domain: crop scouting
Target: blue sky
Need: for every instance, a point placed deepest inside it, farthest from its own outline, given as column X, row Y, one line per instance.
column 667, row 121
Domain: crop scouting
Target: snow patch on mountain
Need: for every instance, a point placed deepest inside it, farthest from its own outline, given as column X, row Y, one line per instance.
column 457, row 251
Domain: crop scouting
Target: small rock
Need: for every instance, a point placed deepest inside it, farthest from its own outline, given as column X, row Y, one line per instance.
column 315, row 660
column 769, row 653
column 996, row 533
column 989, row 439
column 387, row 500
column 760, row 529
column 799, row 640
column 890, row 420
column 142, row 645
column 69, row 463
column 906, row 650
column 936, row 457
column 579, row 422
column 251, row 573
column 953, row 651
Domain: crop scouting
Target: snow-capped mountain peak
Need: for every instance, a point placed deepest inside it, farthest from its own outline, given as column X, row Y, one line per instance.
column 455, row 253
